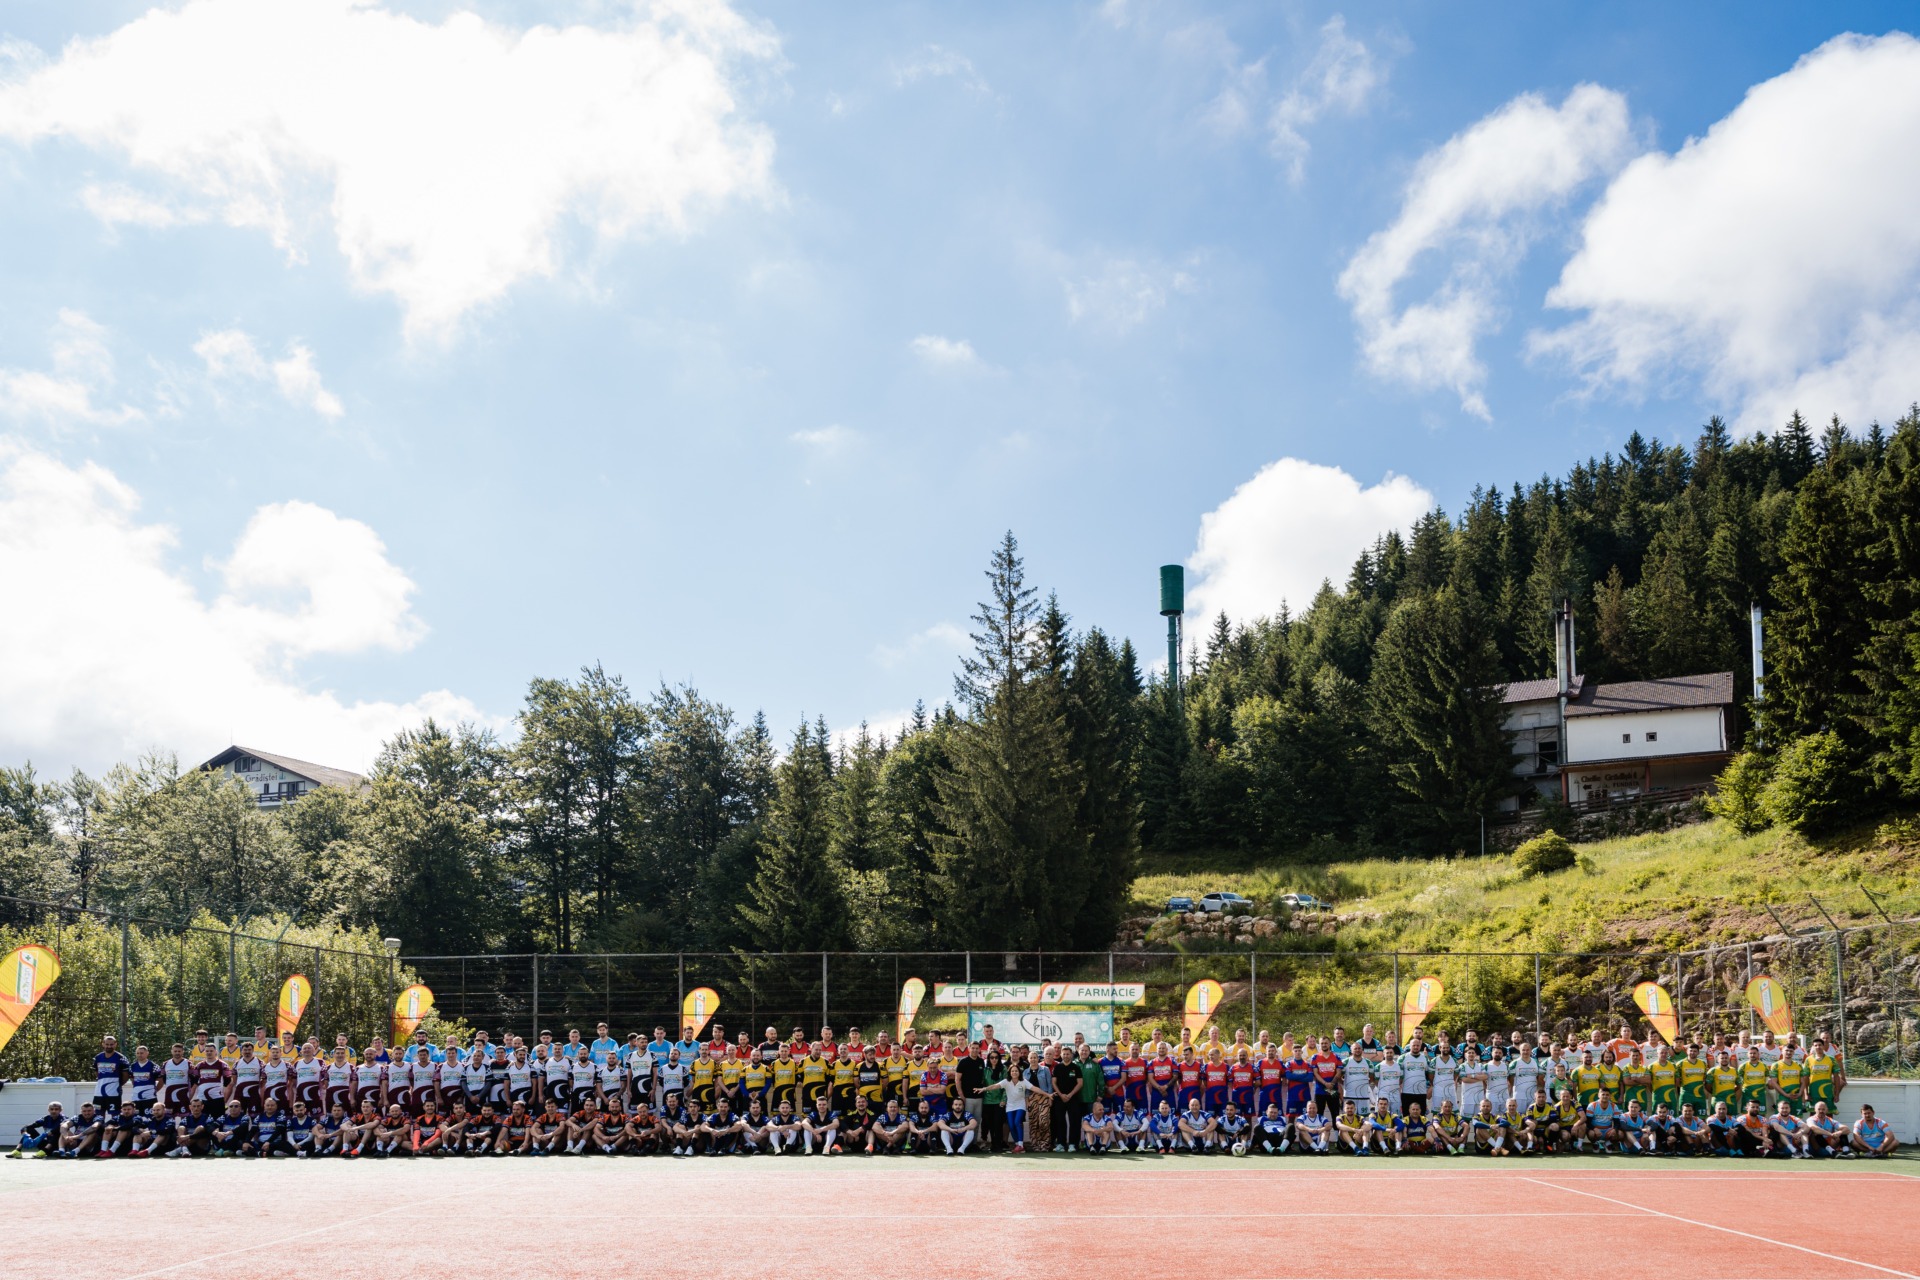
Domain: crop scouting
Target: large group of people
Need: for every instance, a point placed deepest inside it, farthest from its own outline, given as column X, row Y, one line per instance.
column 934, row 1094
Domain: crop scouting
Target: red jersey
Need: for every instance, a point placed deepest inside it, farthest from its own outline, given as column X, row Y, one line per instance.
column 1162, row 1070
column 1134, row 1070
column 1326, row 1066
column 1216, row 1073
column 1272, row 1071
column 1190, row 1075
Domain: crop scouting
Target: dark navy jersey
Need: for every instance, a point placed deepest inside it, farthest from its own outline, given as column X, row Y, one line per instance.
column 107, row 1070
column 145, row 1079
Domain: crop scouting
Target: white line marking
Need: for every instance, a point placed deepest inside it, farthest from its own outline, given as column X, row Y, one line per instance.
column 1732, row 1231
column 298, row 1235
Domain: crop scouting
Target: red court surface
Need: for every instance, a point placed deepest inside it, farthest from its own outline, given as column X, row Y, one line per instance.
column 558, row 1219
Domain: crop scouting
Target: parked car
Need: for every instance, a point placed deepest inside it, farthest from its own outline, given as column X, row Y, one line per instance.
column 1304, row 902
column 1231, row 904
column 1179, row 904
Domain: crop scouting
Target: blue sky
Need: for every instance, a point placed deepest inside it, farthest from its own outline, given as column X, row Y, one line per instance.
column 362, row 360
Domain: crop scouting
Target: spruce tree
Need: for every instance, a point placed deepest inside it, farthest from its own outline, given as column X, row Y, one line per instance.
column 1011, row 855
column 1817, row 642
column 795, row 902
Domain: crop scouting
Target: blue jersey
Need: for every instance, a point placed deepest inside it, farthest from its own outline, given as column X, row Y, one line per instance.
column 300, row 1130
column 1233, row 1125
column 107, row 1068
column 143, row 1080
column 1164, row 1126
column 1631, row 1122
column 1113, row 1069
column 1603, row 1114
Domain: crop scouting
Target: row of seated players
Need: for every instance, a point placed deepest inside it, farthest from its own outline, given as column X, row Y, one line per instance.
column 688, row 1130
column 799, row 1071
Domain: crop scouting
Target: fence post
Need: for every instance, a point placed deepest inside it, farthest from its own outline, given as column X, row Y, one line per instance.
column 1537, row 1028
column 1393, row 1017
column 1253, row 991
column 680, row 1003
column 823, row 989
column 535, row 1035
column 1749, row 1003
column 1840, row 989
column 126, row 926
column 233, row 982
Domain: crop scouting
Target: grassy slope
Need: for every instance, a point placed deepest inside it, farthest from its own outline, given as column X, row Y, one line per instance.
column 1676, row 889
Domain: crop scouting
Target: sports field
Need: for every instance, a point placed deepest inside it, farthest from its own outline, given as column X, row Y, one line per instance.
column 1335, row 1217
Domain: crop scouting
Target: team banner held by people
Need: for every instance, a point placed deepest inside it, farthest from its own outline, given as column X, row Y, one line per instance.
column 912, row 992
column 1658, row 1006
column 25, row 974
column 1419, row 1002
column 1203, row 998
column 699, row 1007
column 1769, row 1000
column 294, row 994
column 414, row 1004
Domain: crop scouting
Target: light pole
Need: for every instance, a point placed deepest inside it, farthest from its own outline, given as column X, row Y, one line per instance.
column 393, row 979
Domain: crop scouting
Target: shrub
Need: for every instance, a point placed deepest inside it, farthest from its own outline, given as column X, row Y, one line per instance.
column 1738, row 794
column 1548, row 851
column 1812, row 786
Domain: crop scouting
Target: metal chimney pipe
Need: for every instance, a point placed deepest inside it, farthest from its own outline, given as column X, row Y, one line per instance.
column 1759, row 655
column 1563, row 646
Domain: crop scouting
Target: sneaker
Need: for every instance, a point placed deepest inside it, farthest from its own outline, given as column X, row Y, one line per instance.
column 1019, row 1148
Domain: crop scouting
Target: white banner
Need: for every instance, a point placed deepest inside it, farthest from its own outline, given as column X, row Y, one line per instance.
column 1031, row 1026
column 1010, row 994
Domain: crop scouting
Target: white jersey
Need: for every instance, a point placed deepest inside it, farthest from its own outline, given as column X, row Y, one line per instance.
column 1357, row 1080
column 611, row 1079
column 673, row 1077
column 1499, row 1083
column 247, row 1071
column 474, row 1074
column 1445, row 1073
column 399, row 1076
column 1386, row 1080
column 274, row 1075
column 1526, row 1081
column 556, row 1069
column 309, row 1072
column 1413, row 1073
column 584, row 1073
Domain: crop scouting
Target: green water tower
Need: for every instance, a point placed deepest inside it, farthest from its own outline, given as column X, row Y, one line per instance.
column 1173, row 603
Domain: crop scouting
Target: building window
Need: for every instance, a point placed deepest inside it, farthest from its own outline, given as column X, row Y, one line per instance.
column 1626, row 737
column 1547, row 753
column 1653, row 737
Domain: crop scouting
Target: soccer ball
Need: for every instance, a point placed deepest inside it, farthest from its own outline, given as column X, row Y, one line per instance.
column 1239, row 1148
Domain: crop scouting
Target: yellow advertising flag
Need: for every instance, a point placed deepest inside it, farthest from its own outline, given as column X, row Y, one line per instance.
column 1658, row 1006
column 1419, row 1002
column 414, row 1004
column 1203, row 999
column 294, row 994
column 1769, row 1000
column 912, row 992
column 699, row 1006
column 25, row 974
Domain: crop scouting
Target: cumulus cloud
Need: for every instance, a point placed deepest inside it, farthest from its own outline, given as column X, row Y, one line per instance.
column 1478, row 200
column 123, row 652
column 944, row 637
column 1343, row 75
column 1777, row 258
column 64, row 395
column 1293, row 526
column 946, row 353
column 450, row 158
column 231, row 354
column 1119, row 294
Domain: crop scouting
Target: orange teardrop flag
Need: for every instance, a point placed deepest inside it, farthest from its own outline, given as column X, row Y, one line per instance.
column 25, row 974
column 912, row 992
column 1419, row 1002
column 1769, row 1000
column 294, row 994
column 699, row 1006
column 414, row 1004
column 1658, row 1006
column 1203, row 998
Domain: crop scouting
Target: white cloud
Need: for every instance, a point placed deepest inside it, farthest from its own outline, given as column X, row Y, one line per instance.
column 945, row 637
column 1477, row 199
column 82, row 368
column 1120, row 294
column 946, row 353
column 1284, row 532
column 828, row 439
column 937, row 63
column 231, row 354
column 128, row 654
column 449, row 158
column 1777, row 258
column 1341, row 78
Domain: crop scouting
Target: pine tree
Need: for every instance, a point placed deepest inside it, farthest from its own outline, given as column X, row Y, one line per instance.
column 1819, row 633
column 1011, row 852
column 795, row 902
column 1436, row 700
column 1103, row 699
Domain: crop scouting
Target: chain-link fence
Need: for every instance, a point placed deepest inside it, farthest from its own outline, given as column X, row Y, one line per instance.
column 152, row 983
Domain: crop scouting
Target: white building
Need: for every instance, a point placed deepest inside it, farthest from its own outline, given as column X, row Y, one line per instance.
column 277, row 780
column 1641, row 736
column 1534, row 727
